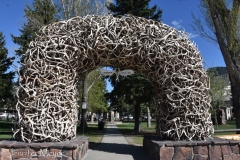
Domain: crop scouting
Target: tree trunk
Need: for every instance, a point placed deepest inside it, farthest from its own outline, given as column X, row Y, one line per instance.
column 232, row 63
column 216, row 122
column 84, row 119
column 236, row 105
column 84, row 100
column 149, row 118
column 137, row 126
column 92, row 114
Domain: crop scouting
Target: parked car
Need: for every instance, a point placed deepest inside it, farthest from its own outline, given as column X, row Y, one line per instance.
column 11, row 115
column 145, row 117
column 126, row 118
column 6, row 115
column 3, row 115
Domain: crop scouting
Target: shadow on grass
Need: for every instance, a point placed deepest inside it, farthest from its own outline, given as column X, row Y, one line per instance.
column 127, row 128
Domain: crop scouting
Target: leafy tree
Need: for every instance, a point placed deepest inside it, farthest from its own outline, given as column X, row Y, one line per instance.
column 96, row 97
column 6, row 78
column 135, row 90
column 137, row 8
column 220, row 24
column 88, row 85
column 217, row 85
column 40, row 13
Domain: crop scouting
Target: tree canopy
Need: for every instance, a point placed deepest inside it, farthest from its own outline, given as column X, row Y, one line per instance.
column 40, row 13
column 95, row 90
column 220, row 24
column 96, row 97
column 6, row 78
column 218, row 82
column 137, row 8
column 134, row 91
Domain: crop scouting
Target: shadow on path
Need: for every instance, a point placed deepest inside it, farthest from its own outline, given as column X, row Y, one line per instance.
column 115, row 147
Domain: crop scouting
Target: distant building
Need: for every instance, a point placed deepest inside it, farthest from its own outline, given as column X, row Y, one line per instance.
column 227, row 104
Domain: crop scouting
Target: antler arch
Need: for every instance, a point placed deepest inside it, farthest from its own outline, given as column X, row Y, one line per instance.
column 64, row 51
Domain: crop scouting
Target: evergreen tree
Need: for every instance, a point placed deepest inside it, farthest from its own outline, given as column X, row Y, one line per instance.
column 134, row 90
column 138, row 82
column 42, row 12
column 6, row 78
column 138, row 8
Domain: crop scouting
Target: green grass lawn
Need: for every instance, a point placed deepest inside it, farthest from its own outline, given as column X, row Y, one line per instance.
column 229, row 125
column 133, row 138
column 95, row 136
column 137, row 138
column 6, row 126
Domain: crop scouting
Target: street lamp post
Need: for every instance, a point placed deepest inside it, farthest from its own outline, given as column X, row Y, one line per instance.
column 84, row 107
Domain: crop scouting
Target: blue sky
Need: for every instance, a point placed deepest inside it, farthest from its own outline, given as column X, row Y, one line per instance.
column 176, row 13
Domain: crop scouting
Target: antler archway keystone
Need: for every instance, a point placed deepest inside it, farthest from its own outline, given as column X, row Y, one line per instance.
column 65, row 51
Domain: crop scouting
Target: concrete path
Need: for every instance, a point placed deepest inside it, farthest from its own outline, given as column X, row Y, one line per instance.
column 115, row 147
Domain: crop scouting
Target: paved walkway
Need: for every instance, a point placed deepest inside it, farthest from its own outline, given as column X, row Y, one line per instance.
column 115, row 147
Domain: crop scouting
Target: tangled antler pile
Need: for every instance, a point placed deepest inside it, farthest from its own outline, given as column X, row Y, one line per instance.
column 64, row 51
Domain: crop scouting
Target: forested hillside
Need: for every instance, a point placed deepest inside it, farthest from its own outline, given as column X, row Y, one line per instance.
column 219, row 70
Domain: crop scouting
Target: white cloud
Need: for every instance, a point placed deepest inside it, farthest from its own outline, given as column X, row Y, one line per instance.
column 109, row 1
column 191, row 35
column 177, row 23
